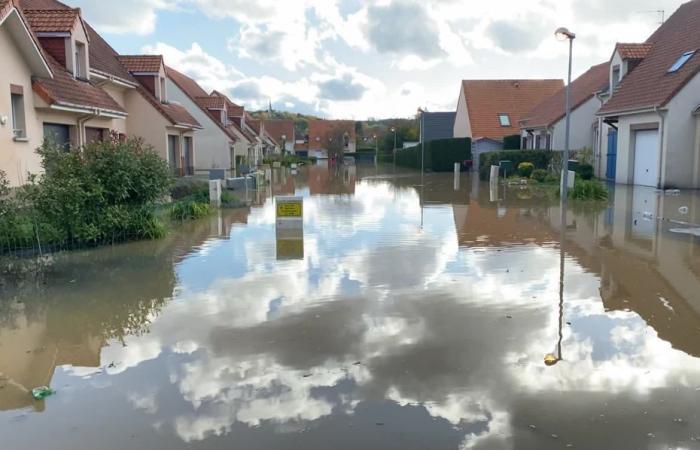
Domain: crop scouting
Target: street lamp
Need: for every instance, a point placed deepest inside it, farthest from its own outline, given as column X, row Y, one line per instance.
column 393, row 130
column 376, row 149
column 421, row 111
column 284, row 144
column 563, row 34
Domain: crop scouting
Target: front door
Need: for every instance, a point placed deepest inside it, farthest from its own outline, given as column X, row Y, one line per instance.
column 187, row 149
column 174, row 154
column 646, row 158
column 612, row 155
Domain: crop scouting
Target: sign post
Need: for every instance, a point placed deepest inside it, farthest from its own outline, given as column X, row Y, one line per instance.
column 289, row 227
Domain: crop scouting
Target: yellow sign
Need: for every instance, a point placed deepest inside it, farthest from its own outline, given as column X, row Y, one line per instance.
column 290, row 249
column 290, row 209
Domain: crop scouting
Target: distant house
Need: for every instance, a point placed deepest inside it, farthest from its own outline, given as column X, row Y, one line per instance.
column 655, row 92
column 283, row 132
column 218, row 143
column 489, row 110
column 437, row 125
column 544, row 128
column 321, row 132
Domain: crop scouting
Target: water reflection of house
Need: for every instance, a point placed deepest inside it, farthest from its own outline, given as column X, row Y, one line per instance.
column 336, row 180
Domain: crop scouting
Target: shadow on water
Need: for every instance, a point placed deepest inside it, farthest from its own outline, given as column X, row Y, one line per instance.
column 417, row 316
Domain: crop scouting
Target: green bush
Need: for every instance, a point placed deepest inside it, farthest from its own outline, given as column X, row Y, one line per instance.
column 585, row 171
column 541, row 159
column 107, row 191
column 440, row 154
column 512, row 142
column 190, row 188
column 229, row 200
column 189, row 209
column 588, row 190
column 539, row 175
column 525, row 169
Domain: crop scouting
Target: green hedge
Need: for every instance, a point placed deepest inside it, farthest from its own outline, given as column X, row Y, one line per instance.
column 540, row 158
column 440, row 154
column 512, row 142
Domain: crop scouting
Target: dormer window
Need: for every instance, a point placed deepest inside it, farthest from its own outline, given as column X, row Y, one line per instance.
column 81, row 69
column 504, row 120
column 681, row 61
column 163, row 92
column 615, row 76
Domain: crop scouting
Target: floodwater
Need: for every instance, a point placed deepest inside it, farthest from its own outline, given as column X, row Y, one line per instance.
column 410, row 316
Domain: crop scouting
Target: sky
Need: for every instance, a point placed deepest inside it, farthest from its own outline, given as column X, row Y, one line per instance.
column 353, row 59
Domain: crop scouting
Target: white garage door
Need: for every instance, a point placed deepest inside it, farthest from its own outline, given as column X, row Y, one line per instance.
column 646, row 158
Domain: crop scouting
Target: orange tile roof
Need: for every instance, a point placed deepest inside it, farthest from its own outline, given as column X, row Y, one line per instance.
column 319, row 130
column 633, row 51
column 233, row 109
column 583, row 89
column 209, row 102
column 5, row 7
column 142, row 63
column 52, row 20
column 650, row 85
column 486, row 99
column 278, row 128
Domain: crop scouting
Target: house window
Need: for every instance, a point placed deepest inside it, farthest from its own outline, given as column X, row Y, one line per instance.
column 19, row 127
column 174, row 153
column 524, row 143
column 58, row 135
column 163, row 97
column 615, row 76
column 681, row 61
column 548, row 142
column 93, row 135
column 80, row 61
column 188, row 160
column 504, row 119
column 538, row 140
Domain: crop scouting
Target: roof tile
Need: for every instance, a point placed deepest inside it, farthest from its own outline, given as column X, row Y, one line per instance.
column 142, row 63
column 486, row 99
column 52, row 20
column 633, row 51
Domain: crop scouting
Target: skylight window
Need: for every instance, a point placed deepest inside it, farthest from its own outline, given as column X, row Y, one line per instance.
column 681, row 61
column 504, row 119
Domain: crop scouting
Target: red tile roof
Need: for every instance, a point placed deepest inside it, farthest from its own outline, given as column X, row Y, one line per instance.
column 486, row 99
column 278, row 128
column 52, row 20
column 319, row 130
column 142, row 63
column 583, row 89
column 104, row 58
column 211, row 102
column 65, row 90
column 175, row 113
column 233, row 109
column 633, row 51
column 650, row 85
column 5, row 7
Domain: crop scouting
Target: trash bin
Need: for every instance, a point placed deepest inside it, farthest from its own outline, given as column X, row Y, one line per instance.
column 507, row 168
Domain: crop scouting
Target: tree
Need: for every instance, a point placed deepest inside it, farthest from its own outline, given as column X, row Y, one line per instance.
column 337, row 138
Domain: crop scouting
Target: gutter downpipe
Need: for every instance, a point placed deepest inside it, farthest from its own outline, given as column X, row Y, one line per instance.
column 662, row 149
column 82, row 120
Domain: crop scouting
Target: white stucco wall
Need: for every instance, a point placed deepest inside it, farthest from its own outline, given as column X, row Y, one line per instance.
column 213, row 145
column 462, row 127
column 583, row 120
column 681, row 158
column 625, row 143
column 147, row 123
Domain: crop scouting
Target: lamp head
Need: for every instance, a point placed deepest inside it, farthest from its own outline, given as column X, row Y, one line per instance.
column 563, row 34
column 551, row 360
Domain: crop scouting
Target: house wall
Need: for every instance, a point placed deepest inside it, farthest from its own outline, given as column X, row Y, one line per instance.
column 696, row 174
column 146, row 122
column 213, row 145
column 625, row 143
column 462, row 127
column 583, row 119
column 17, row 158
column 681, row 158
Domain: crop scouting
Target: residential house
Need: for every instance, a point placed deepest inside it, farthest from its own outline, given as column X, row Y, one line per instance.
column 437, row 125
column 322, row 132
column 655, row 91
column 489, row 110
column 218, row 142
column 544, row 128
column 270, row 145
column 239, row 118
column 283, row 132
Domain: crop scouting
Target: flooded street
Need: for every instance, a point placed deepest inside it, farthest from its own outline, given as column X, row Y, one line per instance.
column 413, row 316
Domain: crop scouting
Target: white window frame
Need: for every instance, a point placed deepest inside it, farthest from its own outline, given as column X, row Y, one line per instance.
column 19, row 122
column 501, row 117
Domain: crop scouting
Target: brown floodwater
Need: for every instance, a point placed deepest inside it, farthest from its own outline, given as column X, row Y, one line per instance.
column 409, row 315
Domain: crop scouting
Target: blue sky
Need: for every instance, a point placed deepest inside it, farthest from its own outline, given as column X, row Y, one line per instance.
column 359, row 59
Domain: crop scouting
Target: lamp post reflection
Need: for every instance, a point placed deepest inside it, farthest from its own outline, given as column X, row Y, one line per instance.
column 552, row 359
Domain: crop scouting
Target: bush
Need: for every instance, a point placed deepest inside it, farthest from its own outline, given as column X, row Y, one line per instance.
column 440, row 154
column 585, row 171
column 588, row 190
column 541, row 159
column 525, row 169
column 107, row 191
column 190, row 188
column 539, row 175
column 189, row 209
column 512, row 142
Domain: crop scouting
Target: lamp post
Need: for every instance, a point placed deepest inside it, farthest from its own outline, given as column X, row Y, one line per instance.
column 563, row 34
column 421, row 111
column 284, row 144
column 393, row 130
column 376, row 149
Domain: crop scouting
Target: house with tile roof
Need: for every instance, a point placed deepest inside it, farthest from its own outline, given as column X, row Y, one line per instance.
column 544, row 128
column 321, row 132
column 283, row 132
column 489, row 110
column 220, row 145
column 651, row 106
column 20, row 128
column 240, row 119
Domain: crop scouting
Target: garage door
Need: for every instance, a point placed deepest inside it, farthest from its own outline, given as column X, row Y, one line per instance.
column 646, row 158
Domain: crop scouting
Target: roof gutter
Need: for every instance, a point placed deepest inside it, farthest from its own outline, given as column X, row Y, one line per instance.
column 112, row 79
column 97, row 112
column 651, row 109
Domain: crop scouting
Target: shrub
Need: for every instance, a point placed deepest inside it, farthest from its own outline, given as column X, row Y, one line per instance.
column 190, row 188
column 229, row 200
column 189, row 209
column 440, row 154
column 539, row 175
column 512, row 142
column 525, row 169
column 585, row 171
column 541, row 159
column 588, row 190
column 107, row 191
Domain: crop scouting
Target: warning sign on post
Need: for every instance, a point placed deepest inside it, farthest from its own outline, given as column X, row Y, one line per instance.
column 290, row 209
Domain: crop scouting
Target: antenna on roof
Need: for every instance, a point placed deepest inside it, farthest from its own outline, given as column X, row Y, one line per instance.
column 661, row 12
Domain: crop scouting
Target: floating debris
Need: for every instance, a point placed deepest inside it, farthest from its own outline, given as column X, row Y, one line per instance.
column 41, row 392
column 533, row 427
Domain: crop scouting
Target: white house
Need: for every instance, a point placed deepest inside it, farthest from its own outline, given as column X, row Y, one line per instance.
column 545, row 126
column 652, row 106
